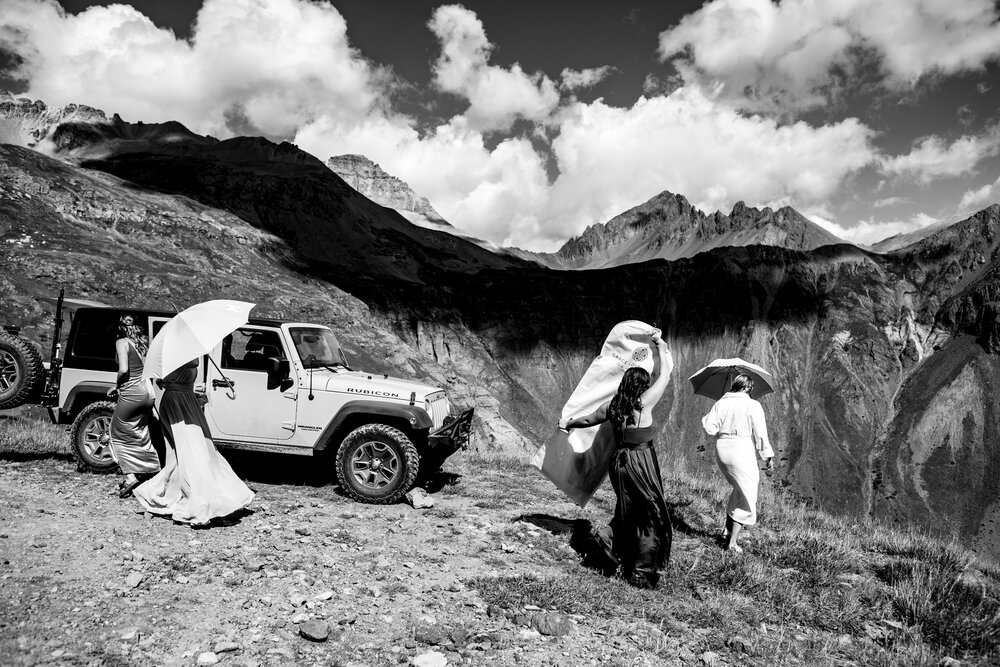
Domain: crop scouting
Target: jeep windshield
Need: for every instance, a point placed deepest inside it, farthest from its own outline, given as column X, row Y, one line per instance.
column 317, row 348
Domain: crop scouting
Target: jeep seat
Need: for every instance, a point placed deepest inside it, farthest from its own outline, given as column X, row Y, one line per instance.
column 260, row 354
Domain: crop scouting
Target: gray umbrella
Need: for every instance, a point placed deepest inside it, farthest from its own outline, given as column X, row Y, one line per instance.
column 715, row 379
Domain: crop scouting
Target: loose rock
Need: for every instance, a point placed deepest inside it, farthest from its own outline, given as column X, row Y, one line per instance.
column 316, row 631
column 430, row 659
column 208, row 658
column 419, row 498
column 553, row 625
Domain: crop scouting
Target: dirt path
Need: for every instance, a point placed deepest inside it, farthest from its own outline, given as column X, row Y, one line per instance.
column 87, row 579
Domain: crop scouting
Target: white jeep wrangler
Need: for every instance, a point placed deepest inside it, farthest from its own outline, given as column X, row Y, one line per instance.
column 276, row 386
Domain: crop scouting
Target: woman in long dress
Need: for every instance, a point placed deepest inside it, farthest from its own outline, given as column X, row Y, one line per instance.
column 131, row 447
column 196, row 484
column 640, row 534
column 737, row 422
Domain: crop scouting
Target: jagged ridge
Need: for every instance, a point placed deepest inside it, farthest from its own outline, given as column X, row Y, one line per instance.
column 669, row 227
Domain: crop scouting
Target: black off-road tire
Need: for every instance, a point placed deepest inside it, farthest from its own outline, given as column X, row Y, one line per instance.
column 376, row 464
column 22, row 374
column 91, row 438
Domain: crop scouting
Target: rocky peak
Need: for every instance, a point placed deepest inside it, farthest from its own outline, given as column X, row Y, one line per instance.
column 382, row 188
column 668, row 226
column 32, row 123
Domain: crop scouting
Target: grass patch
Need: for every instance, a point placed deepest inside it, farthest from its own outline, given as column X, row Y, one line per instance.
column 22, row 438
column 828, row 590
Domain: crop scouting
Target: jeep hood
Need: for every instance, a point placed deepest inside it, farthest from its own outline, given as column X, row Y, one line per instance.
column 376, row 386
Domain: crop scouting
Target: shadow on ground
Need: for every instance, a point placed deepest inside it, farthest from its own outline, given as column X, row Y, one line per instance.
column 581, row 539
column 269, row 468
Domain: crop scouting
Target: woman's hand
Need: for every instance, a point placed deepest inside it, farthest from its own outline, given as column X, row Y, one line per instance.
column 769, row 464
column 564, row 424
column 113, row 393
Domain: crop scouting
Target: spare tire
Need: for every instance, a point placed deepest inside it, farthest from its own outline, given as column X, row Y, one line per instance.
column 22, row 374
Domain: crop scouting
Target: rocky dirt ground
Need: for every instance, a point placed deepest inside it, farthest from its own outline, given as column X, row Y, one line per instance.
column 307, row 577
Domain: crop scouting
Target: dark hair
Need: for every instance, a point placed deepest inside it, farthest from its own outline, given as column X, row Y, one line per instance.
column 628, row 399
column 127, row 328
column 742, row 383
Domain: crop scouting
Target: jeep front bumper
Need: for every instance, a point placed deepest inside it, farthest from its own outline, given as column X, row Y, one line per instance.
column 452, row 435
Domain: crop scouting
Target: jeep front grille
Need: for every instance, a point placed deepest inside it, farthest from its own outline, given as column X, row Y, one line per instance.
column 438, row 408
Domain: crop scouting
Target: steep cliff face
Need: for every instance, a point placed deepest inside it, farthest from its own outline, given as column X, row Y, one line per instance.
column 669, row 227
column 105, row 239
column 886, row 383
column 373, row 182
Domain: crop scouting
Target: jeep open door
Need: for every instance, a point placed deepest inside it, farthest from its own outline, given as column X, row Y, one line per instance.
column 254, row 399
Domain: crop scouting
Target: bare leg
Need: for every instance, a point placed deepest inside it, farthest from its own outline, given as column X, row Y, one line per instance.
column 732, row 532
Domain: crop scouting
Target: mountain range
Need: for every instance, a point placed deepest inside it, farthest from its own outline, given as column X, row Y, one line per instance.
column 885, row 364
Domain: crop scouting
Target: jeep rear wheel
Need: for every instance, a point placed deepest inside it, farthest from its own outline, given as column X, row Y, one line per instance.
column 21, row 371
column 91, row 434
column 376, row 464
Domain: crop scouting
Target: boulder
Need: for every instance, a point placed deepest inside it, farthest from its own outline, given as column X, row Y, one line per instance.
column 316, row 631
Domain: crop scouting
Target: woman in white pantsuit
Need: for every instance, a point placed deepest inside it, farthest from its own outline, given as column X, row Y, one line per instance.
column 737, row 422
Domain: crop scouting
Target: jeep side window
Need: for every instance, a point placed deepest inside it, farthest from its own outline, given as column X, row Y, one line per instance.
column 95, row 336
column 251, row 349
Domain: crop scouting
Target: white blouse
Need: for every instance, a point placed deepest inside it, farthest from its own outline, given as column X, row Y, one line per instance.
column 738, row 414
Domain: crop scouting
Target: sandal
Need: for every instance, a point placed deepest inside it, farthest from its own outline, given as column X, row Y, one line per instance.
column 736, row 549
column 125, row 489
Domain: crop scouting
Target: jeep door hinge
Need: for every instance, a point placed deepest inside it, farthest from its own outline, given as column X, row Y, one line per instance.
column 290, row 426
column 293, row 395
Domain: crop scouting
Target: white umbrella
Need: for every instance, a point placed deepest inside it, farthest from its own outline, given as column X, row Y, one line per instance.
column 192, row 333
column 715, row 379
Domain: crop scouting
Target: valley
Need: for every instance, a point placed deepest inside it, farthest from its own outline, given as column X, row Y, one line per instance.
column 886, row 363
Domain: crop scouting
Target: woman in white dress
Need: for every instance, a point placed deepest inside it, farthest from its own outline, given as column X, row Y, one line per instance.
column 737, row 422
column 196, row 484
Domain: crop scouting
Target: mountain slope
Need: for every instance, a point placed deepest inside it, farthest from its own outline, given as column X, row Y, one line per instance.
column 854, row 338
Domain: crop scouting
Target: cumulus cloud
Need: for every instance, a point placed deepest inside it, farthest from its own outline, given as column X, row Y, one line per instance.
column 287, row 68
column 979, row 198
column 497, row 96
column 608, row 159
column 932, row 157
column 871, row 231
column 794, row 54
column 685, row 143
column 492, row 194
column 274, row 63
column 576, row 79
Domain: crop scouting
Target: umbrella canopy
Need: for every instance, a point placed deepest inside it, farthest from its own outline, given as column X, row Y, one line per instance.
column 715, row 379
column 192, row 333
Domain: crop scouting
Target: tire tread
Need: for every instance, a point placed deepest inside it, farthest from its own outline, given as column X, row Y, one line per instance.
column 410, row 455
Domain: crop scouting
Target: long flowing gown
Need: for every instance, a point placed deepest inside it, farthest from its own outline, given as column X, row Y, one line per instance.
column 196, row 483
column 640, row 534
column 131, row 447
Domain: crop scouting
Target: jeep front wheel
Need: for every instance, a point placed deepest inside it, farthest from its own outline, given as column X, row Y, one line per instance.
column 376, row 464
column 91, row 434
